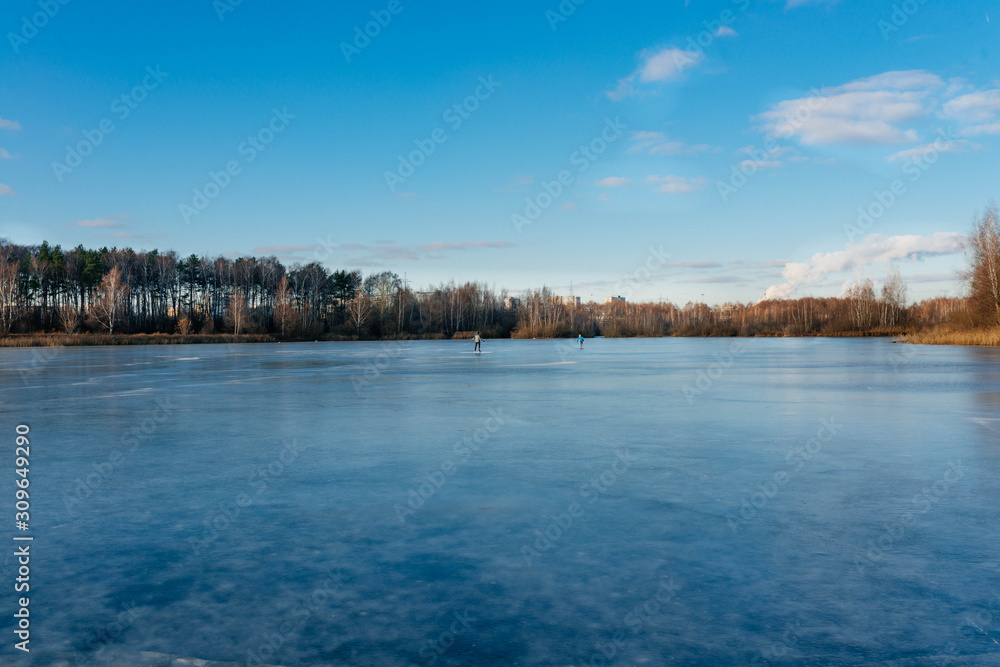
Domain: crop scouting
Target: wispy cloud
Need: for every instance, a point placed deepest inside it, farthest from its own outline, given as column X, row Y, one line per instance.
column 791, row 4
column 370, row 254
column 439, row 246
column 656, row 143
column 4, row 155
column 121, row 227
column 885, row 109
column 876, row 249
column 980, row 110
column 519, row 182
column 676, row 184
column 657, row 67
column 709, row 280
column 612, row 182
column 11, row 125
column 869, row 111
column 96, row 223
column 695, row 265
column 953, row 146
column 7, row 191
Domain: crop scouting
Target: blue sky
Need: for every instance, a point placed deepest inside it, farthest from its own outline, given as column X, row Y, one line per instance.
column 724, row 149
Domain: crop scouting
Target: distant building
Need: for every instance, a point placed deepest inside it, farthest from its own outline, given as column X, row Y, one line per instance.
column 612, row 299
column 566, row 300
column 511, row 302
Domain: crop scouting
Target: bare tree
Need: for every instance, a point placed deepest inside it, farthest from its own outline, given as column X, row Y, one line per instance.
column 861, row 297
column 8, row 295
column 893, row 299
column 284, row 313
column 69, row 316
column 113, row 296
column 358, row 309
column 984, row 273
column 237, row 313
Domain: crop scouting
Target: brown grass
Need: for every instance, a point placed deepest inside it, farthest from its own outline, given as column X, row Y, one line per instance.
column 66, row 340
column 947, row 336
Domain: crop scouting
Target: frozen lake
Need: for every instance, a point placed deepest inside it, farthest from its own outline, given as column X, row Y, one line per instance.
column 637, row 502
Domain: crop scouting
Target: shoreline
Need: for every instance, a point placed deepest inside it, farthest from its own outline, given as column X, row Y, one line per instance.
column 981, row 337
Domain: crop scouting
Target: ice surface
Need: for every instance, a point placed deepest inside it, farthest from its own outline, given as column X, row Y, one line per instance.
column 782, row 501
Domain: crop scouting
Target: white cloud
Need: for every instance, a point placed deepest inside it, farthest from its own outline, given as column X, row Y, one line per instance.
column 748, row 165
column 4, row 155
column 776, row 152
column 11, row 125
column 656, row 143
column 676, row 184
column 612, row 182
column 980, row 110
column 517, row 183
column 979, row 107
column 790, row 4
column 95, row 223
column 7, row 191
column 866, row 111
column 725, row 31
column 379, row 253
column 876, row 249
column 953, row 146
column 668, row 64
column 658, row 67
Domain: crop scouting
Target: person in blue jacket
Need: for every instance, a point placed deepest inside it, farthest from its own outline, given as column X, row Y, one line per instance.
column 580, row 340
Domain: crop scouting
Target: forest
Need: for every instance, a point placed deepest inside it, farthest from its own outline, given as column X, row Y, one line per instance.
column 47, row 290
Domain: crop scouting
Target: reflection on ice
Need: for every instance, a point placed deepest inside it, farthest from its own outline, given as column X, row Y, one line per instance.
column 804, row 501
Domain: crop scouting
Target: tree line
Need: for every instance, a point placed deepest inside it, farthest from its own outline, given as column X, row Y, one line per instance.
column 45, row 289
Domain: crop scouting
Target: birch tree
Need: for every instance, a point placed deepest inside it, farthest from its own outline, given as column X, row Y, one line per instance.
column 112, row 297
column 984, row 274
